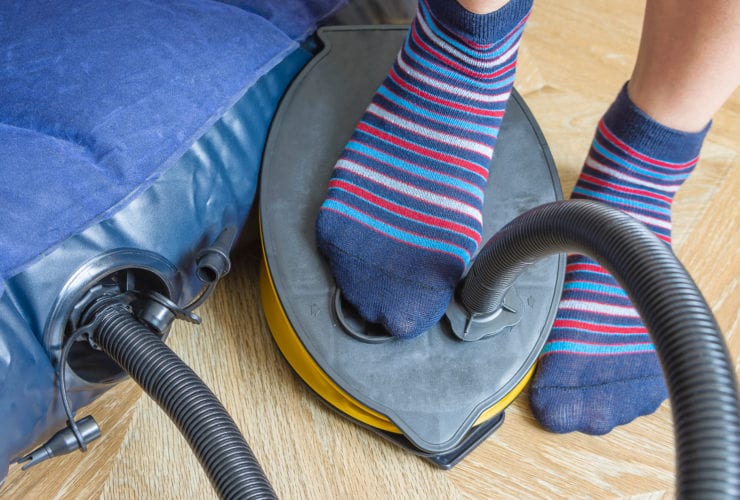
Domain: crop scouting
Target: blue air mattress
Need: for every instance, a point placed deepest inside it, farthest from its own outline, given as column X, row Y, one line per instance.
column 136, row 125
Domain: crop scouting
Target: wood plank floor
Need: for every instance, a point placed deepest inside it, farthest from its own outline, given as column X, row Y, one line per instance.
column 575, row 56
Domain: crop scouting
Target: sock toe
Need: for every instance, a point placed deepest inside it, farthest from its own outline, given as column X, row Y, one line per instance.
column 596, row 409
column 406, row 308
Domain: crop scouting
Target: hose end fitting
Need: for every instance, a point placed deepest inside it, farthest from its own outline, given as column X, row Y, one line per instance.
column 63, row 442
column 470, row 326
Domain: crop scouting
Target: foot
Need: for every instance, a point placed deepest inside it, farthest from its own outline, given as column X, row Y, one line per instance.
column 599, row 368
column 403, row 214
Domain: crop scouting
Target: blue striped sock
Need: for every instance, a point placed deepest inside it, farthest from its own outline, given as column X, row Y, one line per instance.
column 403, row 213
column 599, row 368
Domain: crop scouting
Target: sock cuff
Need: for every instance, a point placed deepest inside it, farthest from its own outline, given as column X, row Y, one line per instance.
column 479, row 28
column 640, row 132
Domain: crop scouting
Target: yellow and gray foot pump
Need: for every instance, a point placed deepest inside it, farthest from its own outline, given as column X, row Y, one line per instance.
column 435, row 395
column 442, row 393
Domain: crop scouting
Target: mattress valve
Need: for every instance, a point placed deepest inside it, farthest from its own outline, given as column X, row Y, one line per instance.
column 213, row 262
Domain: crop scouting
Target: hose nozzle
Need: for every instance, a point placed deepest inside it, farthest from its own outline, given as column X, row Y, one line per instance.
column 62, row 442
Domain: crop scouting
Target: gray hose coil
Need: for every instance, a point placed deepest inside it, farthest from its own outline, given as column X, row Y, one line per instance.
column 212, row 434
column 699, row 372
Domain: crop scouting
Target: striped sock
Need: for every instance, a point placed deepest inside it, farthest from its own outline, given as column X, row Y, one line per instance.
column 403, row 213
column 599, row 368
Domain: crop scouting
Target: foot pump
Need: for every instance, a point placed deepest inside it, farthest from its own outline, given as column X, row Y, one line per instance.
column 441, row 394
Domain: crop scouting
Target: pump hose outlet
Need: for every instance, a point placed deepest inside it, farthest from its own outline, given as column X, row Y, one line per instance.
column 698, row 369
column 209, row 430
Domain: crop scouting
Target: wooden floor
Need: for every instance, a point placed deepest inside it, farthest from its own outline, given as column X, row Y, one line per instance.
column 575, row 56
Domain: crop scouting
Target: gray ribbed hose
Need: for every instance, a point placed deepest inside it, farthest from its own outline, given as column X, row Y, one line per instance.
column 699, row 372
column 212, row 434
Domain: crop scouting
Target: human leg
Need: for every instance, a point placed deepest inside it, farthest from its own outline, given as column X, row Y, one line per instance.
column 482, row 6
column 599, row 368
column 403, row 214
column 688, row 63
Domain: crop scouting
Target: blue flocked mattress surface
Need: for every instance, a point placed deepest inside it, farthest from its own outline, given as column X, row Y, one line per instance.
column 99, row 97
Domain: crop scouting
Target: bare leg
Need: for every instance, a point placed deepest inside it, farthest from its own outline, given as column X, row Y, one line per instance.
column 689, row 61
column 482, row 6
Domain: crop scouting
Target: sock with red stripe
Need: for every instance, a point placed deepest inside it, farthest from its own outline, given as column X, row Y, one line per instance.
column 403, row 214
column 599, row 368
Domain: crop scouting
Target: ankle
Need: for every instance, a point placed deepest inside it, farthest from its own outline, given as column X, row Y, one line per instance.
column 480, row 28
column 643, row 134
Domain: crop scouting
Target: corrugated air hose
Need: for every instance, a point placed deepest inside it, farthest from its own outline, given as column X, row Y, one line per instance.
column 209, row 430
column 699, row 372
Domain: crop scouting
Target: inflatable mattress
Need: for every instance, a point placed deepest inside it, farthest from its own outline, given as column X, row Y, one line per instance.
column 131, row 134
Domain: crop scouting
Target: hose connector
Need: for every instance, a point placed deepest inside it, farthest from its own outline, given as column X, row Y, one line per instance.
column 159, row 313
column 62, row 442
column 470, row 326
